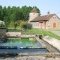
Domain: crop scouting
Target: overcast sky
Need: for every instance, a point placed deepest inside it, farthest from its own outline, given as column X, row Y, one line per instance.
column 44, row 5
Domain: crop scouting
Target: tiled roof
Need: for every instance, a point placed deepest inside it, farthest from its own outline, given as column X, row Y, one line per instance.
column 42, row 18
column 34, row 10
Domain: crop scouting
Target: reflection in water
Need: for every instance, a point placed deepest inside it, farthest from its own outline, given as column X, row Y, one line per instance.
column 24, row 42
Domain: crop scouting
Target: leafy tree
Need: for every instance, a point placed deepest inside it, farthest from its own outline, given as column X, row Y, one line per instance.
column 6, row 21
column 11, row 24
column 15, row 14
column 13, row 17
column 15, row 25
column 22, row 23
column 4, row 12
column 19, row 15
column 1, row 13
column 26, row 10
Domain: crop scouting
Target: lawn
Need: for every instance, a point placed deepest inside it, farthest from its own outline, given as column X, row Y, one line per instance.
column 38, row 32
column 41, row 32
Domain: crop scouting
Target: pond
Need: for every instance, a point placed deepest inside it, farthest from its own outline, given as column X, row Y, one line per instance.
column 21, row 45
column 22, row 42
column 29, row 50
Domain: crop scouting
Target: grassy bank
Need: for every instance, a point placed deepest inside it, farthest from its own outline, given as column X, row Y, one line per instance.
column 38, row 32
column 43, row 32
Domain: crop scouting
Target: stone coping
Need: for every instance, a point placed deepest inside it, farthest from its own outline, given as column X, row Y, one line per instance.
column 18, row 34
column 52, row 41
column 13, row 33
column 39, row 54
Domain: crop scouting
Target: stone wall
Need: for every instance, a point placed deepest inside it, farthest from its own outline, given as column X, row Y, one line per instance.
column 13, row 34
column 31, row 57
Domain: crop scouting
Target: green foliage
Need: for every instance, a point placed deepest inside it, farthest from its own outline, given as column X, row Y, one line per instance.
column 15, row 24
column 11, row 24
column 27, row 26
column 2, row 26
column 22, row 23
column 9, row 14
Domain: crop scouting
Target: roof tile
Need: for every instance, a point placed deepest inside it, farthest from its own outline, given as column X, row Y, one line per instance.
column 42, row 18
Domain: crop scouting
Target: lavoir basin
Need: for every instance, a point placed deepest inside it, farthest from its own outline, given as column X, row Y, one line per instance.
column 21, row 45
column 24, row 50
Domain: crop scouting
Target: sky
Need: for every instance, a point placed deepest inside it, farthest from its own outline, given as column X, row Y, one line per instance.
column 52, row 6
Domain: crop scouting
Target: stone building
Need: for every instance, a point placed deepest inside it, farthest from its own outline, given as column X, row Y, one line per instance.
column 49, row 21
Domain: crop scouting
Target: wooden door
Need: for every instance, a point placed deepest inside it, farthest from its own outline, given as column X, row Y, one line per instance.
column 54, row 25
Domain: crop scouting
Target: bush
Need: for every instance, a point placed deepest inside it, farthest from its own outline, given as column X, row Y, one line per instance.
column 29, row 26
column 26, row 26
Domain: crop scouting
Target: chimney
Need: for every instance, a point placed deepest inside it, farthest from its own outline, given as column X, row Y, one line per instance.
column 48, row 13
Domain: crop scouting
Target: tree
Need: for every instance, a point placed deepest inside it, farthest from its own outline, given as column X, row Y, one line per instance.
column 1, row 13
column 11, row 24
column 26, row 10
column 14, row 14
column 13, row 17
column 15, row 25
column 19, row 15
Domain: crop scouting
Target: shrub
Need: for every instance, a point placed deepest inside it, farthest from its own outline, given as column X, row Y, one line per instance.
column 26, row 26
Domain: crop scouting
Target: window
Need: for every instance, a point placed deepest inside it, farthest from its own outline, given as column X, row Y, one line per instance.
column 34, row 24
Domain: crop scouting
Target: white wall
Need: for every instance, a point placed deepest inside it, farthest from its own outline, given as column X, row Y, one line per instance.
column 33, row 16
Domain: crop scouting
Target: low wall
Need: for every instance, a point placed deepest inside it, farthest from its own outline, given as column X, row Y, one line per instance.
column 18, row 34
column 13, row 34
column 33, row 57
column 27, row 36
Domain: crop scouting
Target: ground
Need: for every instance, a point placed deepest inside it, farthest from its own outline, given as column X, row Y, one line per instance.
column 56, row 32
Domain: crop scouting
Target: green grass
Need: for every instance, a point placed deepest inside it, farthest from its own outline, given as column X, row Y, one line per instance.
column 18, row 28
column 41, row 32
column 38, row 32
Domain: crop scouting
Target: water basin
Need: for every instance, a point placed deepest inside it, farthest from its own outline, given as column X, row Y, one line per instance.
column 29, row 50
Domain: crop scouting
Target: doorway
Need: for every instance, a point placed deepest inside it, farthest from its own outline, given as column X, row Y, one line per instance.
column 54, row 25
